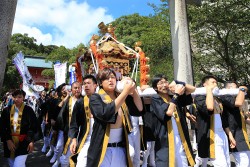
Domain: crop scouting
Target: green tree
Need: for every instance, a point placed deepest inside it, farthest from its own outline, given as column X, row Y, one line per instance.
column 46, row 50
column 157, row 42
column 154, row 33
column 64, row 54
column 220, row 39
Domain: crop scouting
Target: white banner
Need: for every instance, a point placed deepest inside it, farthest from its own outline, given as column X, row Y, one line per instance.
column 29, row 91
column 60, row 73
column 28, row 83
column 22, row 68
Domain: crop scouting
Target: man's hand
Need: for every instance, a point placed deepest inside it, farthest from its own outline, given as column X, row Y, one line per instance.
column 172, row 86
column 232, row 141
column 191, row 117
column 30, row 147
column 179, row 89
column 211, row 87
column 68, row 95
column 176, row 88
column 73, row 146
column 11, row 145
column 129, row 85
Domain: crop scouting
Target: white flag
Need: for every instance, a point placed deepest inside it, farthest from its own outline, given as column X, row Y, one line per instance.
column 22, row 68
column 60, row 73
column 28, row 84
column 29, row 91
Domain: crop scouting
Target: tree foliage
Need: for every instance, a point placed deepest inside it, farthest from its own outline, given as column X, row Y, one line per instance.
column 154, row 33
column 220, row 39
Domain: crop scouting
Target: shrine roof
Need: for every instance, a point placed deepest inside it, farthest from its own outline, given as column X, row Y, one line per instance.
column 39, row 62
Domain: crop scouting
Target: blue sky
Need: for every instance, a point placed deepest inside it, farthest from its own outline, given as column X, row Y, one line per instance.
column 70, row 22
column 118, row 8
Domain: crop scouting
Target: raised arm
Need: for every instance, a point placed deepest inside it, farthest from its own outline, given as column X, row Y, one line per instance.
column 210, row 99
column 189, row 89
column 240, row 98
column 137, row 100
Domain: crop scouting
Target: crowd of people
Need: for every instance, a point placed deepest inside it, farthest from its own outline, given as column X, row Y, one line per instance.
column 93, row 124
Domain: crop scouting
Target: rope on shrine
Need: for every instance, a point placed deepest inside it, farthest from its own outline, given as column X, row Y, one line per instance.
column 135, row 68
column 93, row 61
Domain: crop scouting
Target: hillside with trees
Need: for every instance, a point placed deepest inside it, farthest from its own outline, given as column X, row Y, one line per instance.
column 219, row 32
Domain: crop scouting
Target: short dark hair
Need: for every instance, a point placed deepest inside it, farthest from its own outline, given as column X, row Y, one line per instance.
column 204, row 79
column 229, row 82
column 18, row 92
column 157, row 78
column 51, row 90
column 92, row 77
column 59, row 89
column 104, row 74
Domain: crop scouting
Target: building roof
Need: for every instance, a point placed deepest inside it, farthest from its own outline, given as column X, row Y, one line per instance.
column 38, row 62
